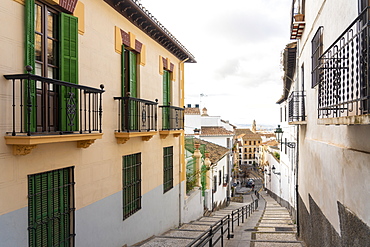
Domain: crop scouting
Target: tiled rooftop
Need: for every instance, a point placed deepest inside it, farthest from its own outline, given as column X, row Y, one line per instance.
column 192, row 111
column 216, row 151
column 215, row 131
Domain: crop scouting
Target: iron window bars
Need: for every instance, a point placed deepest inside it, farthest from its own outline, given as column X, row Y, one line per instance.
column 297, row 110
column 82, row 109
column 51, row 208
column 136, row 115
column 131, row 184
column 172, row 118
column 344, row 88
column 167, row 169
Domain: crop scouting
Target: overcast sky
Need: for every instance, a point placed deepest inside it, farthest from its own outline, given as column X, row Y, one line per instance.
column 238, row 46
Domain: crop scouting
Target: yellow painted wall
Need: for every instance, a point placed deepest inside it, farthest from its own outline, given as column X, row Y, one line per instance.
column 98, row 169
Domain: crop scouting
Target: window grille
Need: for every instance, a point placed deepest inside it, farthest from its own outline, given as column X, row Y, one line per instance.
column 51, row 220
column 131, row 181
column 167, row 169
column 317, row 44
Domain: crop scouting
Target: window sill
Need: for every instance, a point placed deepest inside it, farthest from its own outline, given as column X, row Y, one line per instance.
column 123, row 137
column 350, row 120
column 175, row 133
column 23, row 145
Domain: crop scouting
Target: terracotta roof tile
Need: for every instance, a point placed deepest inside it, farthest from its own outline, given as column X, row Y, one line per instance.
column 217, row 152
column 248, row 134
column 215, row 131
column 192, row 111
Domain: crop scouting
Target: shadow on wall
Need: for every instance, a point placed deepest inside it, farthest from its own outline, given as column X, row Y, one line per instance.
column 316, row 230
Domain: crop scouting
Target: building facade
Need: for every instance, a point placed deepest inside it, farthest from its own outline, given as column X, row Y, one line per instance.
column 93, row 152
column 327, row 100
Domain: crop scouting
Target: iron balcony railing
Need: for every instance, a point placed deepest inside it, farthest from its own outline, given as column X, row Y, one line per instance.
column 172, row 118
column 297, row 110
column 47, row 106
column 344, row 88
column 136, row 115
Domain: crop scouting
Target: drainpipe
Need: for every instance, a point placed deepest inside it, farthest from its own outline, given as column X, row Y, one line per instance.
column 296, row 183
column 182, row 168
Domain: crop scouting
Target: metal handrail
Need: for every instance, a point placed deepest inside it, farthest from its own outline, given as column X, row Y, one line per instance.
column 217, row 231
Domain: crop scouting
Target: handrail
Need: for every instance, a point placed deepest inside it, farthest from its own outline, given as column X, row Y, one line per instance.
column 217, row 231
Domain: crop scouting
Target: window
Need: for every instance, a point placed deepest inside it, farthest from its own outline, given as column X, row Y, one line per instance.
column 219, row 177
column 214, row 183
column 131, row 184
column 167, row 169
column 129, row 88
column 316, row 44
column 51, row 208
column 51, row 50
column 166, row 99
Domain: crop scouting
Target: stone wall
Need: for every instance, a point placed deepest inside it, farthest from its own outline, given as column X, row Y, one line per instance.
column 316, row 230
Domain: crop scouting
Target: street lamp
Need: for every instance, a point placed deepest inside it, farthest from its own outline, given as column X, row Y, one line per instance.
column 274, row 169
column 279, row 136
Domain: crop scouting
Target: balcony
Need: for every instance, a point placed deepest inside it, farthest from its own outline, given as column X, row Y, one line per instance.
column 45, row 110
column 172, row 121
column 343, row 89
column 297, row 110
column 136, row 118
column 297, row 27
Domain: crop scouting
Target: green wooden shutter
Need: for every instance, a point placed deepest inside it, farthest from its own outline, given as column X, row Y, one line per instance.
column 134, row 116
column 68, row 71
column 49, row 208
column 30, row 60
column 166, row 99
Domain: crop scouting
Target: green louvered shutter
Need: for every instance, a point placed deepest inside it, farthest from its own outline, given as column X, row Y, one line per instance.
column 166, row 99
column 134, row 119
column 30, row 60
column 50, row 208
column 68, row 72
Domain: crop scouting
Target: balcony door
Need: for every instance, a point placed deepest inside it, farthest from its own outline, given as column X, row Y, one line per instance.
column 46, row 65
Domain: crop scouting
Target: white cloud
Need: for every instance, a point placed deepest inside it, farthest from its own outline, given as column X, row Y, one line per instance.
column 237, row 45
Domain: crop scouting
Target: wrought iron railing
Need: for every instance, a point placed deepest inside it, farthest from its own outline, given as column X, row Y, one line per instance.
column 224, row 228
column 172, row 118
column 344, row 88
column 47, row 106
column 136, row 115
column 297, row 110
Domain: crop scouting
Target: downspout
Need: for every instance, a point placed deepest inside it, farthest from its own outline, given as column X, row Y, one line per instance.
column 182, row 168
column 296, row 183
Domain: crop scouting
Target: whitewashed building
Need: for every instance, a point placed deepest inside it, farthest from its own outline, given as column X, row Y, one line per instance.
column 327, row 99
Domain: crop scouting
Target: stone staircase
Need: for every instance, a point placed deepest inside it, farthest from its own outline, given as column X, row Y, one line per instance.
column 188, row 232
column 275, row 228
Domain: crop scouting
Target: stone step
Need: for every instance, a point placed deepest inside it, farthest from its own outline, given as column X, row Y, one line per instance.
column 163, row 241
column 257, row 243
column 276, row 236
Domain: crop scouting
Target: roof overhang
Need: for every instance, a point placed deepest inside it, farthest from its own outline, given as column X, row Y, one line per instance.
column 146, row 22
column 289, row 63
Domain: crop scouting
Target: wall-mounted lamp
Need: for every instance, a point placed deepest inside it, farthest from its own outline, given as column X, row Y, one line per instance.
column 267, row 173
column 274, row 169
column 279, row 136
